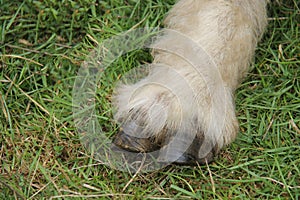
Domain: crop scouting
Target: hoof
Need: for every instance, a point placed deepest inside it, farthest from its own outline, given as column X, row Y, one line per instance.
column 134, row 144
column 189, row 156
column 167, row 154
column 189, row 159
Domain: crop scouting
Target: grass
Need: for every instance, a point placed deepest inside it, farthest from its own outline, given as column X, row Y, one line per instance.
column 43, row 44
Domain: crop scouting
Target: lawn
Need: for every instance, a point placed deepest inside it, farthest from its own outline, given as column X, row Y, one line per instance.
column 43, row 45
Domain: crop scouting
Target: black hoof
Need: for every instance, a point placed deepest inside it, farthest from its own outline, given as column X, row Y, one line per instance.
column 134, row 144
column 189, row 156
column 188, row 159
column 177, row 154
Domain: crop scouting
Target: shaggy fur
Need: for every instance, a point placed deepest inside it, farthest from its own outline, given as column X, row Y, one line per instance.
column 194, row 99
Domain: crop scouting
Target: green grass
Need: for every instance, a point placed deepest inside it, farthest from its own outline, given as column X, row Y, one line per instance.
column 43, row 44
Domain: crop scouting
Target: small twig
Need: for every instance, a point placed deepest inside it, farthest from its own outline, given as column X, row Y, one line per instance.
column 29, row 50
column 211, row 177
column 295, row 126
column 91, row 187
column 137, row 25
column 42, row 188
column 63, row 45
column 277, row 18
column 136, row 173
column 93, row 39
column 20, row 57
column 268, row 128
column 282, row 184
column 90, row 196
column 70, row 192
column 44, row 53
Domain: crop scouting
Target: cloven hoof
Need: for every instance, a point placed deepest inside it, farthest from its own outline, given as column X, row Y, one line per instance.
column 190, row 156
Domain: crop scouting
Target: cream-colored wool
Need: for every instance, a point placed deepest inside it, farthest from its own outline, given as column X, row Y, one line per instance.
column 183, row 98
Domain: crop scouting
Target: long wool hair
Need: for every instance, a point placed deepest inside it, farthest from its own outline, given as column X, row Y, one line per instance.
column 194, row 99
